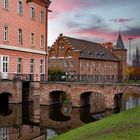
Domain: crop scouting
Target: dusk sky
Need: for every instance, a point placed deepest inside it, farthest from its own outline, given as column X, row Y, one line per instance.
column 95, row 20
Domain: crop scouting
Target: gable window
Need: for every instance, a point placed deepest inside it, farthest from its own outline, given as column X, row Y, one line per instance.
column 20, row 36
column 61, row 47
column 32, row 12
column 5, row 33
column 20, row 7
column 42, row 16
column 42, row 41
column 19, row 66
column 32, row 39
column 5, row 4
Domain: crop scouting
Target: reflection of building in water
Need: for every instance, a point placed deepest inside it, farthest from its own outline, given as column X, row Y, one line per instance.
column 12, row 127
column 130, row 100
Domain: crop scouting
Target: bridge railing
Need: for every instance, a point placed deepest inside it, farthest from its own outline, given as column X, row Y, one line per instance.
column 71, row 78
column 86, row 78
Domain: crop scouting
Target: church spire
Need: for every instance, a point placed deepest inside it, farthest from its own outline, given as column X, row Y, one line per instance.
column 119, row 44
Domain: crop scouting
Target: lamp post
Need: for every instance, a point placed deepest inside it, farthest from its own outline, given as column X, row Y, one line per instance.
column 130, row 49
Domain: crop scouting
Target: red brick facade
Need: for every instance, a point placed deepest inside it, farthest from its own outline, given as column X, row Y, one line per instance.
column 87, row 58
column 23, row 30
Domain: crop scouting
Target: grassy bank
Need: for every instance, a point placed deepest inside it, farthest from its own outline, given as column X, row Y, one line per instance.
column 122, row 126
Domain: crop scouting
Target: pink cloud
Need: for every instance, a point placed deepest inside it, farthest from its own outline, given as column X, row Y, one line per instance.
column 59, row 7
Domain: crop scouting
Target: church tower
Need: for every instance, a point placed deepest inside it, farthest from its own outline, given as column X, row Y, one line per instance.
column 121, row 53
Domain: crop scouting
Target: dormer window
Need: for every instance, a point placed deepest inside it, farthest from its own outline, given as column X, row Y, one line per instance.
column 61, row 47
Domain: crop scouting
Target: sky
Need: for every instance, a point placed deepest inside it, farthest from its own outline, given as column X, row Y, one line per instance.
column 95, row 20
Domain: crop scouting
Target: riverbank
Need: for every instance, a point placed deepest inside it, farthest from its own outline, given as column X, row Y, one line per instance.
column 122, row 126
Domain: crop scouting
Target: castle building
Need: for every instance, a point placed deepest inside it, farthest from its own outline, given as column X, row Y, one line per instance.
column 83, row 57
column 23, row 37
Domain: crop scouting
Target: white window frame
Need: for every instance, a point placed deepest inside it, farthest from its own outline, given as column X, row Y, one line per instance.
column 6, row 4
column 19, row 65
column 20, row 36
column 20, row 7
column 32, row 12
column 31, row 66
column 5, row 33
column 41, row 66
column 42, row 41
column 32, row 39
column 42, row 16
column 4, row 133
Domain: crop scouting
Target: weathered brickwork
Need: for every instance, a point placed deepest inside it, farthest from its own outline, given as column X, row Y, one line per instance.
column 76, row 56
column 11, row 48
column 74, row 91
column 12, row 88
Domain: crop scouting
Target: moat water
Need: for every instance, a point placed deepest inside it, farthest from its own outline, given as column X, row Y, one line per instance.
column 29, row 121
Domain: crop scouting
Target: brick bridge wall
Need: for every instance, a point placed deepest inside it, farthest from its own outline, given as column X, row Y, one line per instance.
column 74, row 91
column 102, row 95
column 14, row 88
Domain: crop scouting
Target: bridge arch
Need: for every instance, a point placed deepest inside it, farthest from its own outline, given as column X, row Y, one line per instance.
column 85, row 98
column 5, row 97
column 118, row 100
column 4, row 102
column 59, row 96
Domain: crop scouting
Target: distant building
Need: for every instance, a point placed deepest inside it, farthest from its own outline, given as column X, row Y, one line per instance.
column 136, row 58
column 88, row 58
column 23, row 34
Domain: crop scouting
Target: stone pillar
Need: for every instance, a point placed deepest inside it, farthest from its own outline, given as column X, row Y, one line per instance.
column 97, row 103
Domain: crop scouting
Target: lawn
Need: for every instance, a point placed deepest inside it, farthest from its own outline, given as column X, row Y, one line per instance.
column 122, row 126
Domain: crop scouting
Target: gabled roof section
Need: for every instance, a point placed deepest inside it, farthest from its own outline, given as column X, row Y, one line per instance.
column 44, row 3
column 119, row 44
column 90, row 50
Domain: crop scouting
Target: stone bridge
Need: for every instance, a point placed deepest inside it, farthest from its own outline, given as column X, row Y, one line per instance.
column 79, row 94
column 99, row 96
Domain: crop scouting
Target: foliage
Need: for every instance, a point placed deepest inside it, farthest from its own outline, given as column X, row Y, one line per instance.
column 122, row 126
column 56, row 71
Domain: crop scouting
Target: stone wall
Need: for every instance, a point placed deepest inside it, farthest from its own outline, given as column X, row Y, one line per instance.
column 12, row 88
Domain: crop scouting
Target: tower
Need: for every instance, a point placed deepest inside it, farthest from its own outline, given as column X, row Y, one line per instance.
column 121, row 53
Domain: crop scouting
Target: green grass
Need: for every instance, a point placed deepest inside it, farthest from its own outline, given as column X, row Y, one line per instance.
column 122, row 126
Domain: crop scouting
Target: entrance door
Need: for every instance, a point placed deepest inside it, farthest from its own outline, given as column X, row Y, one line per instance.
column 4, row 67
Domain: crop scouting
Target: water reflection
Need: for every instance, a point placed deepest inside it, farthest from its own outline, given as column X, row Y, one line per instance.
column 31, row 121
column 130, row 100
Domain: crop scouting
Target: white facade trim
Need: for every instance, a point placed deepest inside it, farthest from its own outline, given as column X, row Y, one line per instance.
column 8, row 47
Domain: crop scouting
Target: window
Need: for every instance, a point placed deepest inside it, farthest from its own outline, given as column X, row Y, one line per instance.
column 19, row 66
column 42, row 16
column 41, row 66
column 4, row 133
column 5, row 4
column 32, row 12
column 20, row 36
column 65, row 64
column 72, row 64
column 42, row 41
column 5, row 33
column 31, row 66
column 61, row 47
column 5, row 64
column 20, row 7
column 32, row 39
